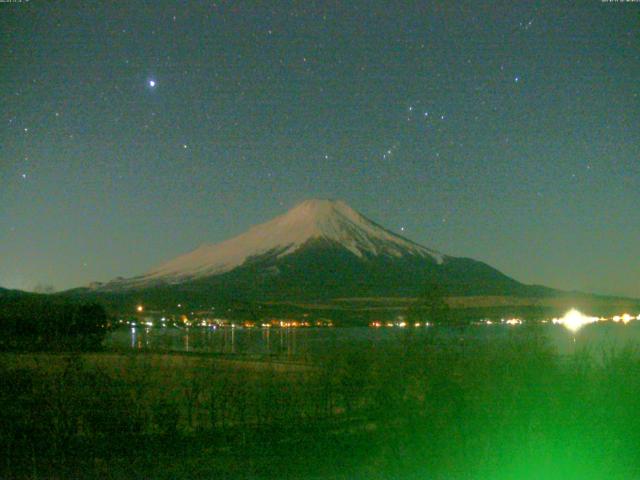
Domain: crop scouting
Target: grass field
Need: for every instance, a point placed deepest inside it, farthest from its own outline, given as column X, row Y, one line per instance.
column 509, row 409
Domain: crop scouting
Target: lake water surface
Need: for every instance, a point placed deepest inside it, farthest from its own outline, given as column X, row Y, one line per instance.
column 301, row 342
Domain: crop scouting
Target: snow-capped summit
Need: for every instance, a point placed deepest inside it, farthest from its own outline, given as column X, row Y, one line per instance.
column 317, row 219
column 318, row 250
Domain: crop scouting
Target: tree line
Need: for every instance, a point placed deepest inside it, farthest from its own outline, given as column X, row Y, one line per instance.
column 39, row 322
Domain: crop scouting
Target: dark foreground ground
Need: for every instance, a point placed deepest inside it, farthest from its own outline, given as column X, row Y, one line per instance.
column 509, row 409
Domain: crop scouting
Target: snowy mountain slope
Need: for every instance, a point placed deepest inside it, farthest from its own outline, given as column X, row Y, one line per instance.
column 318, row 253
column 327, row 220
column 320, row 249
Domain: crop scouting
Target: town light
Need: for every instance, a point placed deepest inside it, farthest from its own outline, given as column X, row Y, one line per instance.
column 574, row 320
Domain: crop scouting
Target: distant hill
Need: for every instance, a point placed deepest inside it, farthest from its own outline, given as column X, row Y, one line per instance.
column 11, row 293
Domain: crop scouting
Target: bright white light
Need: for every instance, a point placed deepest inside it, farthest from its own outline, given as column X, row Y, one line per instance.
column 574, row 320
column 152, row 83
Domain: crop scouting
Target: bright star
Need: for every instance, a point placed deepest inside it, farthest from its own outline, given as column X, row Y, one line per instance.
column 152, row 83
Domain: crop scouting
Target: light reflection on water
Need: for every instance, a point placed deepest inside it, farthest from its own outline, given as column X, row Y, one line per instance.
column 291, row 342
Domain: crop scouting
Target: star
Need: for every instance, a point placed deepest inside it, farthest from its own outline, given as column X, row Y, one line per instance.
column 516, row 79
column 152, row 83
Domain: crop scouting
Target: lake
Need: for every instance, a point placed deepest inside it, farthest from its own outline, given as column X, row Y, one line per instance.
column 309, row 342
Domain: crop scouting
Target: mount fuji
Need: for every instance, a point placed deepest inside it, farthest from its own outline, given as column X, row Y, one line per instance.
column 320, row 249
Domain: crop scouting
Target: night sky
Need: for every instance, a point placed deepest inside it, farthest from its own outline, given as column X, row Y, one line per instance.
column 503, row 131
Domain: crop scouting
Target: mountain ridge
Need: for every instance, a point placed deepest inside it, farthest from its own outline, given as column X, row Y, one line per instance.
column 320, row 249
column 319, row 252
column 316, row 219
